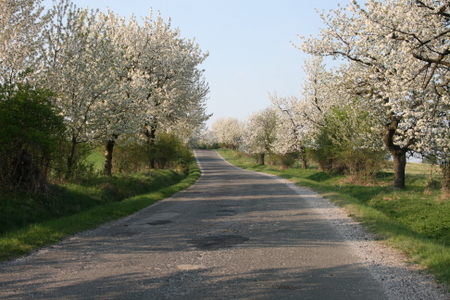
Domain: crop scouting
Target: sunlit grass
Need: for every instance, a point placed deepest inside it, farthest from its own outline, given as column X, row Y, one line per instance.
column 415, row 220
column 96, row 159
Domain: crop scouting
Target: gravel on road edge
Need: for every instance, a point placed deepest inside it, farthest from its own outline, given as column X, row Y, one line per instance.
column 402, row 280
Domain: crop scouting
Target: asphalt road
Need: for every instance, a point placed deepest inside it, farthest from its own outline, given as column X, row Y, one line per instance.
column 235, row 234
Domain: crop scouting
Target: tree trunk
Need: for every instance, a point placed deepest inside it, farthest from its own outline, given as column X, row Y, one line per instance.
column 304, row 159
column 150, row 133
column 109, row 148
column 260, row 159
column 398, row 153
column 446, row 179
column 71, row 157
column 399, row 157
column 304, row 164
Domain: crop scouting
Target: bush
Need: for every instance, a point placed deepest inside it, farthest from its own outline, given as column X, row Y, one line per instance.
column 169, row 151
column 31, row 132
column 131, row 157
column 343, row 146
column 286, row 161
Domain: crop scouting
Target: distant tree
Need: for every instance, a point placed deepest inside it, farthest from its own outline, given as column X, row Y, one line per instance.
column 228, row 132
column 435, row 143
column 203, row 138
column 301, row 118
column 260, row 133
column 291, row 129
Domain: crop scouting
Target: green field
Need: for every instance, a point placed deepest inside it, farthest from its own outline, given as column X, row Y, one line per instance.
column 415, row 220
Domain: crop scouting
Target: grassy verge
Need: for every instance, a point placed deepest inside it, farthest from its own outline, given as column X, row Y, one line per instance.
column 415, row 220
column 80, row 207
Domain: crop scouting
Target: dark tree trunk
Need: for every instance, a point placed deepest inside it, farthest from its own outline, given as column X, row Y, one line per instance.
column 152, row 142
column 260, row 159
column 399, row 157
column 71, row 157
column 398, row 153
column 150, row 133
column 446, row 178
column 304, row 164
column 109, row 148
column 304, row 159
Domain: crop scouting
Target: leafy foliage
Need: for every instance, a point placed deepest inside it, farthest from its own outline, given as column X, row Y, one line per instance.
column 343, row 146
column 110, row 76
column 169, row 151
column 31, row 132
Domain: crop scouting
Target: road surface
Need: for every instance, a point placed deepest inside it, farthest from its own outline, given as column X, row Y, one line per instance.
column 235, row 234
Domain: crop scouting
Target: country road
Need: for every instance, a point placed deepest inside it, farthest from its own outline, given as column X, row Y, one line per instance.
column 235, row 234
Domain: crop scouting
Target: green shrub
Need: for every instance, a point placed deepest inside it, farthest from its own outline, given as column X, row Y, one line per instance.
column 130, row 157
column 169, row 151
column 286, row 161
column 31, row 131
column 343, row 145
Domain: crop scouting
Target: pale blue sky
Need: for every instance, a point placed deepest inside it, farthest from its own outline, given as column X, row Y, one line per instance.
column 249, row 43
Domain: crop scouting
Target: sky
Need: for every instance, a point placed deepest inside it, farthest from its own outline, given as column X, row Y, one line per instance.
column 250, row 44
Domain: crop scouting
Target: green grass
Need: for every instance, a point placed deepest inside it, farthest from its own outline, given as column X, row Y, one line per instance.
column 27, row 224
column 97, row 159
column 415, row 220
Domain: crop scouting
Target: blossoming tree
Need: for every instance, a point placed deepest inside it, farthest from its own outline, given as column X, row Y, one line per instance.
column 21, row 25
column 386, row 72
column 260, row 133
column 228, row 131
column 79, row 65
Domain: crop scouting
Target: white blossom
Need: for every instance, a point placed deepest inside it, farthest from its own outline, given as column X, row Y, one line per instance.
column 228, row 131
column 21, row 25
column 260, row 131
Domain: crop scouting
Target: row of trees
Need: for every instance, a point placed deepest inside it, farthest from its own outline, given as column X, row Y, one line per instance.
column 390, row 93
column 109, row 78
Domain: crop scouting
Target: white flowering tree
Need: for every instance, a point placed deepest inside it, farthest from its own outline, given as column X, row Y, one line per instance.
column 420, row 27
column 21, row 25
column 187, row 111
column 301, row 118
column 292, row 128
column 125, row 106
column 385, row 71
column 435, row 140
column 204, row 138
column 436, row 146
column 228, row 131
column 320, row 92
column 80, row 66
column 117, row 77
column 260, row 133
column 162, row 78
